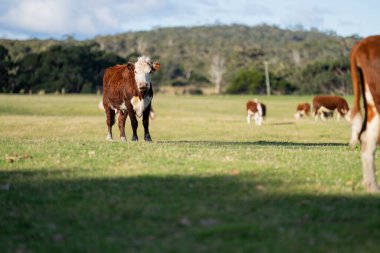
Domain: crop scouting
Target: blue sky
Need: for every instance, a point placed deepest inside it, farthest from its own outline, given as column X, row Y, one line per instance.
column 24, row 19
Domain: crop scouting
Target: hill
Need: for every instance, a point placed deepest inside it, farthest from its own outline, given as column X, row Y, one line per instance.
column 187, row 54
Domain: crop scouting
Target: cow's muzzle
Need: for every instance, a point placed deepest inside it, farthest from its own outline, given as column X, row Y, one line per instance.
column 143, row 86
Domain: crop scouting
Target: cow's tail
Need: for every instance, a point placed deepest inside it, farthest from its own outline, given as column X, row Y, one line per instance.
column 152, row 114
column 358, row 125
column 101, row 106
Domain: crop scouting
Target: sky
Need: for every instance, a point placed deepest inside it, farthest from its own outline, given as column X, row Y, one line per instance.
column 85, row 19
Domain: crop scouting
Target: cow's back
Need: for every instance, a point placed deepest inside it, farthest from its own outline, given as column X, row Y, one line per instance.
column 330, row 102
column 118, row 84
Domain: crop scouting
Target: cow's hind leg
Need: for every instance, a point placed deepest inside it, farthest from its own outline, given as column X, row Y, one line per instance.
column 122, row 117
column 110, row 114
column 146, row 124
column 356, row 126
column 369, row 140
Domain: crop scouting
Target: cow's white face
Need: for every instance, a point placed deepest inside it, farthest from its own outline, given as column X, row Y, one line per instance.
column 143, row 70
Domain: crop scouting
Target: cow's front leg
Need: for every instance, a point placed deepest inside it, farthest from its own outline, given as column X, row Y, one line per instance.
column 146, row 124
column 122, row 117
column 134, row 122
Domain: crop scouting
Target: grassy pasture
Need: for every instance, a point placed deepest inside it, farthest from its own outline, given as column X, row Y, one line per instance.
column 208, row 182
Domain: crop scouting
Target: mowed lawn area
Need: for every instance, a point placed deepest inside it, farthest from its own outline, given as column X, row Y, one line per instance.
column 207, row 183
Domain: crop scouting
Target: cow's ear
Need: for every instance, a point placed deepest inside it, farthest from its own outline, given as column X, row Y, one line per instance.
column 156, row 65
column 131, row 66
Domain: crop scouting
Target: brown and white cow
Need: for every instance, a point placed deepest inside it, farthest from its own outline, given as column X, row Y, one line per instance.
column 127, row 89
column 257, row 110
column 323, row 105
column 302, row 110
column 365, row 73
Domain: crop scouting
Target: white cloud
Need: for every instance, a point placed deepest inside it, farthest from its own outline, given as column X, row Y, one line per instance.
column 87, row 18
column 37, row 16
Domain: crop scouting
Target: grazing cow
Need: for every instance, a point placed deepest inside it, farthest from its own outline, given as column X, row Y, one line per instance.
column 325, row 105
column 302, row 110
column 127, row 89
column 365, row 73
column 257, row 110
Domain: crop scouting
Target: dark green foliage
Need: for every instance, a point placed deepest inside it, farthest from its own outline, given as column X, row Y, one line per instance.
column 65, row 68
column 247, row 82
column 252, row 81
column 6, row 65
column 328, row 77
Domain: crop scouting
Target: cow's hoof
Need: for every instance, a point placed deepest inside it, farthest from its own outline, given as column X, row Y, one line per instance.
column 123, row 139
column 148, row 138
column 135, row 138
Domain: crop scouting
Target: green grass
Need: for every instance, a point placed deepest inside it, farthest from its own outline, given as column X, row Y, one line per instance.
column 207, row 183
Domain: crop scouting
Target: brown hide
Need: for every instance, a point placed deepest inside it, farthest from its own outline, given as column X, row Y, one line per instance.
column 119, row 85
column 331, row 103
column 365, row 73
column 252, row 106
column 304, row 107
column 365, row 70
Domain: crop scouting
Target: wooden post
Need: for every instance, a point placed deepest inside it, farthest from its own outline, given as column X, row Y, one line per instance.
column 267, row 78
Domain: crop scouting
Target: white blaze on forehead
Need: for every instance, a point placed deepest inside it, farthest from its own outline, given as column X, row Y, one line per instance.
column 143, row 69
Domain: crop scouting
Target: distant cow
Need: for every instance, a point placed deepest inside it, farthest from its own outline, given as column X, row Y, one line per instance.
column 302, row 110
column 257, row 110
column 365, row 73
column 328, row 104
column 127, row 89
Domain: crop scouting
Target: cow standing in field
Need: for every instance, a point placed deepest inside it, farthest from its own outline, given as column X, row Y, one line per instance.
column 127, row 89
column 302, row 110
column 365, row 73
column 257, row 110
column 328, row 104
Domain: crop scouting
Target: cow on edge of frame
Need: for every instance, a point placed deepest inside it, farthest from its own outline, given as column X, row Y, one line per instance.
column 365, row 73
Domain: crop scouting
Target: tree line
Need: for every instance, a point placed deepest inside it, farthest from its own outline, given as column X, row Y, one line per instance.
column 61, row 68
column 229, row 58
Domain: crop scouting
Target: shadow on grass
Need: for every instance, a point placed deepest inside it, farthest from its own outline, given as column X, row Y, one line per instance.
column 281, row 123
column 59, row 212
column 256, row 143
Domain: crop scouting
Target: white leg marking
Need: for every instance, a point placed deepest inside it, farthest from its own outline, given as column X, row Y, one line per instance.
column 369, row 140
column 123, row 139
column 258, row 119
column 347, row 116
column 356, row 126
column 109, row 137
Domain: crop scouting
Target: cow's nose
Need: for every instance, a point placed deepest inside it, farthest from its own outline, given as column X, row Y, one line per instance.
column 142, row 85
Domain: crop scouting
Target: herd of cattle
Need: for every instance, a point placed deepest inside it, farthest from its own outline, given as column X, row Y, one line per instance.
column 323, row 106
column 127, row 90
